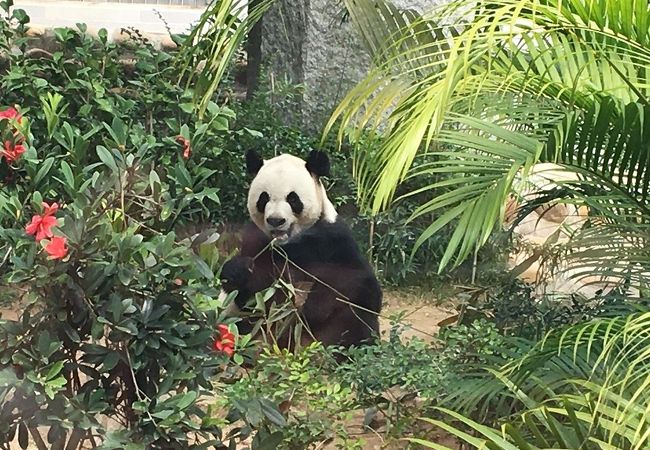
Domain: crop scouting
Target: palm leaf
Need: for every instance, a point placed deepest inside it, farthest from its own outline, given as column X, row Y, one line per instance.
column 212, row 44
column 613, row 146
column 522, row 52
column 476, row 189
column 583, row 387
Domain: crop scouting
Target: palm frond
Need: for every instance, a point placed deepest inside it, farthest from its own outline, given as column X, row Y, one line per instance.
column 476, row 181
column 207, row 53
column 608, row 153
column 608, row 143
column 466, row 55
column 583, row 387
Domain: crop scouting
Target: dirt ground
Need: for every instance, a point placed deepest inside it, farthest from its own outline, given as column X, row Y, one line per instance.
column 8, row 314
column 419, row 313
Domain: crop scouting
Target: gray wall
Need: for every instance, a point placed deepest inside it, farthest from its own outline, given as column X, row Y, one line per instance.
column 305, row 43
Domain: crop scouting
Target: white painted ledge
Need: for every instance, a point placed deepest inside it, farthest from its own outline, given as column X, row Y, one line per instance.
column 111, row 16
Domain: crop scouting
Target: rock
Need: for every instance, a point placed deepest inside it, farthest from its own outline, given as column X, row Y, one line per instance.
column 307, row 44
column 167, row 43
column 35, row 31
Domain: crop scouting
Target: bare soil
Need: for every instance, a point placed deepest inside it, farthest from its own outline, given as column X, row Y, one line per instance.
column 420, row 312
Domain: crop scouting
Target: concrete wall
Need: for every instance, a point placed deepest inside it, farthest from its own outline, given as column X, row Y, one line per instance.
column 152, row 20
column 306, row 43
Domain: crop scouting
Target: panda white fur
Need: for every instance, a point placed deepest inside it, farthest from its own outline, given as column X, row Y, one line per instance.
column 288, row 203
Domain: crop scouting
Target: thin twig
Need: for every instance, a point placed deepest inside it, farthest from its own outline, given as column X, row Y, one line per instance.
column 6, row 257
column 346, row 300
column 138, row 392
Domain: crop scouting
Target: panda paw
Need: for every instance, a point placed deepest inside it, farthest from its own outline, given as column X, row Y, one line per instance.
column 236, row 272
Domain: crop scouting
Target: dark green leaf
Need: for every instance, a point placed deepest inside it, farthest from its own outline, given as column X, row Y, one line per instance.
column 23, row 435
column 272, row 413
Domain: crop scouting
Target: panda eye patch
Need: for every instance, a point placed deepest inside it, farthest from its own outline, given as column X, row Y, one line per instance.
column 294, row 202
column 262, row 201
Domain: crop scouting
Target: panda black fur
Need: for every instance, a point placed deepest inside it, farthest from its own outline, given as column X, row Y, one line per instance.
column 288, row 202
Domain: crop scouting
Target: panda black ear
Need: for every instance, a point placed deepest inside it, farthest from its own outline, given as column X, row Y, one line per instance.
column 254, row 162
column 318, row 163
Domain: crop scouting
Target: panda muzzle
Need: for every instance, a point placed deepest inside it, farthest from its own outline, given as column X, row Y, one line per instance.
column 280, row 235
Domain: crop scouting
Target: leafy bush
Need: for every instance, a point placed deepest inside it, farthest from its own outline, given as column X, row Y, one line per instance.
column 415, row 366
column 400, row 379
column 515, row 309
column 313, row 406
column 584, row 386
column 134, row 84
column 119, row 319
column 117, row 341
column 477, row 343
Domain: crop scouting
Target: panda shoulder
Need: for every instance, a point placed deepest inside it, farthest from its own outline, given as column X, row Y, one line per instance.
column 337, row 228
column 337, row 234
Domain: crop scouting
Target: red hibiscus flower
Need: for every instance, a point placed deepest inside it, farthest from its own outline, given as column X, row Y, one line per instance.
column 11, row 113
column 50, row 210
column 12, row 151
column 225, row 341
column 41, row 225
column 187, row 149
column 57, row 248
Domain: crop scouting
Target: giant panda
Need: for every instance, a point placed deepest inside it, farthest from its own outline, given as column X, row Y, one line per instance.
column 295, row 234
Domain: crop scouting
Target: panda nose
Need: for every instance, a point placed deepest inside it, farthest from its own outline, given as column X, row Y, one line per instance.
column 275, row 221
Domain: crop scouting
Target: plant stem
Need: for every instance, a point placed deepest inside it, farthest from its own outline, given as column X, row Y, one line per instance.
column 38, row 440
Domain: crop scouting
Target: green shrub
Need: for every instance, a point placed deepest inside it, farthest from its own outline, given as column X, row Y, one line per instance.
column 314, row 406
column 118, row 321
column 415, row 366
column 479, row 342
column 134, row 84
column 516, row 309
column 118, row 312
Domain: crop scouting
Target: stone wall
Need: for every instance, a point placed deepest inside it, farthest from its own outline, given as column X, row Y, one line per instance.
column 284, row 30
column 307, row 43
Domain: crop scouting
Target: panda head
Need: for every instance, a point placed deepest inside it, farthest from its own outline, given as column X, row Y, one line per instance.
column 286, row 196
